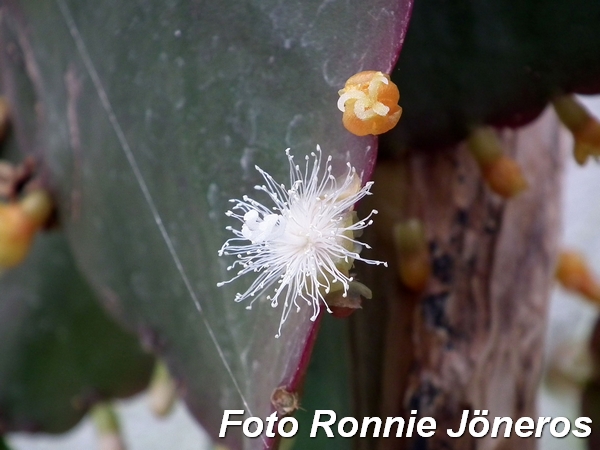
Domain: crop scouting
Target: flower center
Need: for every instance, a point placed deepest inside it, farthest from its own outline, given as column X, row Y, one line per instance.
column 259, row 230
column 364, row 99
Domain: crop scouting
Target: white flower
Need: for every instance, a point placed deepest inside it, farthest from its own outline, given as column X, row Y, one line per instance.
column 303, row 246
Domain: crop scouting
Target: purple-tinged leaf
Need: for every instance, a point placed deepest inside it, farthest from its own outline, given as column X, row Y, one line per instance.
column 154, row 115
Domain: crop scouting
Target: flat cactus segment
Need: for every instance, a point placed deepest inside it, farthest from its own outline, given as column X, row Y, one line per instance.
column 154, row 115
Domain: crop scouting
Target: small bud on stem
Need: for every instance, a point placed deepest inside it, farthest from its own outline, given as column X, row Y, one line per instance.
column 584, row 126
column 18, row 224
column 574, row 274
column 107, row 426
column 411, row 247
column 502, row 173
column 162, row 391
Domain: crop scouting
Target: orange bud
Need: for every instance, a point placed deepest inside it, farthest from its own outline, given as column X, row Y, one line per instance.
column 369, row 102
column 16, row 235
column 574, row 274
column 18, row 225
column 414, row 264
column 415, row 271
column 504, row 177
column 502, row 173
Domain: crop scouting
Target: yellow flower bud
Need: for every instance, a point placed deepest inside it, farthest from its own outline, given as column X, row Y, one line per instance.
column 369, row 102
column 414, row 262
column 16, row 235
column 574, row 274
column 18, row 225
column 502, row 174
column 584, row 126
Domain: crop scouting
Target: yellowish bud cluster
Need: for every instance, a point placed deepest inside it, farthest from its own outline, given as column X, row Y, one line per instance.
column 369, row 102
column 414, row 262
column 574, row 274
column 19, row 222
column 502, row 173
column 584, row 126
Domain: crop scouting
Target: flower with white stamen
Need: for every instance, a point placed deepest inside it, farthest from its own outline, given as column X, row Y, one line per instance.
column 366, row 102
column 303, row 247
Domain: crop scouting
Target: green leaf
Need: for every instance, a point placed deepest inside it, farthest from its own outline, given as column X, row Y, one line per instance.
column 154, row 115
column 468, row 63
column 59, row 351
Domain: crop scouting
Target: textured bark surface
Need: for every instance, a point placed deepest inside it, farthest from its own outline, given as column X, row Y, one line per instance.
column 474, row 338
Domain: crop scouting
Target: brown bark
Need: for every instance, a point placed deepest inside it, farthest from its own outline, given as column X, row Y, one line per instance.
column 474, row 338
